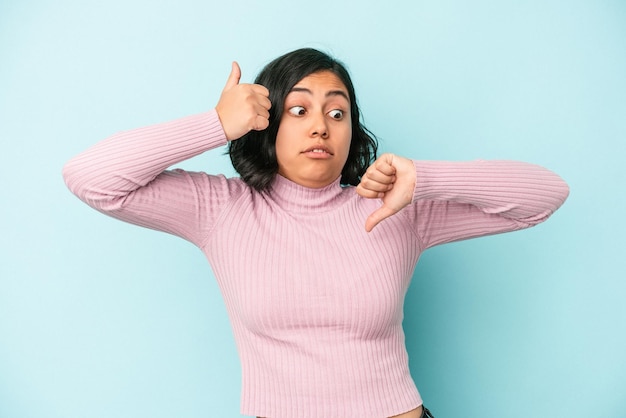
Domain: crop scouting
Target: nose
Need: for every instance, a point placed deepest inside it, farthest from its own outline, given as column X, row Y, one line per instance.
column 319, row 128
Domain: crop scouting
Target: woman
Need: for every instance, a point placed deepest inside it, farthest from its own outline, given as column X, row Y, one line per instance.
column 315, row 245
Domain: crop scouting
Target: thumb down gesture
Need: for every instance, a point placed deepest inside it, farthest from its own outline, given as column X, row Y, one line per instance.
column 392, row 179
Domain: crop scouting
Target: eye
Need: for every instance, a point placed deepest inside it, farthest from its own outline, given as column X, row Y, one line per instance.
column 297, row 110
column 336, row 114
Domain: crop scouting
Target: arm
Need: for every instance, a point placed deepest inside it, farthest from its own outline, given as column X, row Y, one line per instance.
column 125, row 175
column 449, row 201
column 460, row 200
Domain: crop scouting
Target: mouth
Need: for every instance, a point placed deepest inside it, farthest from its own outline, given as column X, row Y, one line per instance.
column 318, row 150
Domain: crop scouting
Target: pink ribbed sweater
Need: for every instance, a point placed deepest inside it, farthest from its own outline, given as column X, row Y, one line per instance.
column 316, row 303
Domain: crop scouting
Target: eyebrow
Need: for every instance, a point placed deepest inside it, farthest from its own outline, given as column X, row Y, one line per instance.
column 328, row 93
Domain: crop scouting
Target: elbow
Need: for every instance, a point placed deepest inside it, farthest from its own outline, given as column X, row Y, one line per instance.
column 80, row 179
column 540, row 203
column 71, row 175
column 76, row 176
column 557, row 193
column 553, row 200
column 564, row 192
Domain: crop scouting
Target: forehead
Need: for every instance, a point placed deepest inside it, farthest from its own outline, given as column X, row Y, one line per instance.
column 323, row 81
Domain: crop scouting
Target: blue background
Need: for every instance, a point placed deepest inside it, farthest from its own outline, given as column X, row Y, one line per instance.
column 102, row 319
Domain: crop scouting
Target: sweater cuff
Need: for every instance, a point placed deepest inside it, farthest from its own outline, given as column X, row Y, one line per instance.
column 213, row 126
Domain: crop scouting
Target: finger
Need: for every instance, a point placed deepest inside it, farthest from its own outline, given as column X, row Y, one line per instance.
column 377, row 181
column 264, row 102
column 261, row 123
column 369, row 193
column 385, row 164
column 377, row 176
column 261, row 111
column 260, row 89
column 377, row 216
column 260, row 104
column 233, row 77
column 384, row 167
column 375, row 186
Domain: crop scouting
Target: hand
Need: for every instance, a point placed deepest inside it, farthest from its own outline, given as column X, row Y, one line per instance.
column 243, row 107
column 392, row 179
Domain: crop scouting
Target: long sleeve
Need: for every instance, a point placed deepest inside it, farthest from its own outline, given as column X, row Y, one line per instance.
column 460, row 200
column 125, row 176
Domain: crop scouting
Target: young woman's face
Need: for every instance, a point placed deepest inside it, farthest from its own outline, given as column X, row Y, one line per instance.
column 315, row 131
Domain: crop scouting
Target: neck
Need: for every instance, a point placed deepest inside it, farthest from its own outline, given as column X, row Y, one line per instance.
column 294, row 197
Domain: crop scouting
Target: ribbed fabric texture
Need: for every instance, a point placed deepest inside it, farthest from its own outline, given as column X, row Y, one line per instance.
column 315, row 302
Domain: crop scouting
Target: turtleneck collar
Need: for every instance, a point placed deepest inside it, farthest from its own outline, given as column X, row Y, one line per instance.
column 293, row 197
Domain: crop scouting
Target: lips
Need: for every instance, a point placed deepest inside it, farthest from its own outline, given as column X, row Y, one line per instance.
column 318, row 149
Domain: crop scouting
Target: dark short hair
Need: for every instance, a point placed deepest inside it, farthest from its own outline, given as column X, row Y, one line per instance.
column 254, row 154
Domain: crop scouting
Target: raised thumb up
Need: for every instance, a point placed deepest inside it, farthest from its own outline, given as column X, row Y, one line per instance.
column 242, row 107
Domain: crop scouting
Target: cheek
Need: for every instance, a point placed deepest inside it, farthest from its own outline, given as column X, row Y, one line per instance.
column 280, row 151
column 282, row 145
column 280, row 136
column 347, row 135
